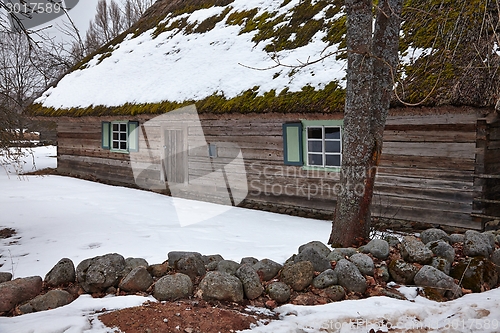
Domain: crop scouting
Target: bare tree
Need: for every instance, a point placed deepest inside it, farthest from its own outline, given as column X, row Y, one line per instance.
column 371, row 56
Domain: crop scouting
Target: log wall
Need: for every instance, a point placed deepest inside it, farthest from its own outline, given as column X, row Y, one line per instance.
column 427, row 172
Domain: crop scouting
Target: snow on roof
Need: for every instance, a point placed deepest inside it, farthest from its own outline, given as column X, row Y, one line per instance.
column 177, row 66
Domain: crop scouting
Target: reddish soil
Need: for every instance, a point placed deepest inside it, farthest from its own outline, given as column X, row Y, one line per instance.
column 187, row 316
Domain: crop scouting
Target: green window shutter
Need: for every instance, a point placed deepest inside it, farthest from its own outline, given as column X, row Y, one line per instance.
column 133, row 136
column 292, row 144
column 106, row 135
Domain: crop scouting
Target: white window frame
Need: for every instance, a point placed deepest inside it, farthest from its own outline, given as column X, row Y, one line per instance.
column 323, row 141
column 119, row 140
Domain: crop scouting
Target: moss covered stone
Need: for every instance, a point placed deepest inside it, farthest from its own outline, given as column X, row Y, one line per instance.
column 477, row 274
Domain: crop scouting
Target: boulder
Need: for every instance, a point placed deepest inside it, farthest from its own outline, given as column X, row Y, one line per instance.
column 299, row 275
column 228, row 266
column 267, row 269
column 221, row 286
column 477, row 244
column 99, row 273
column 442, row 249
column 173, row 287
column 341, row 253
column 383, row 272
column 192, row 265
column 138, row 279
column 249, row 260
column 5, row 276
column 131, row 263
column 51, row 300
column 325, row 279
column 495, row 258
column 18, row 291
column 432, row 235
column 214, row 258
column 251, row 281
column 350, row 277
column 279, row 291
column 441, row 283
column 62, row 273
column 442, row 264
column 490, row 235
column 477, row 274
column 379, row 248
column 457, row 238
column 320, row 247
column 158, row 270
column 413, row 250
column 174, row 256
column 364, row 263
column 402, row 272
column 335, row 293
column 319, row 261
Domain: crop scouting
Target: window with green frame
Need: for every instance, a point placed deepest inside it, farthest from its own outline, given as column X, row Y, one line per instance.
column 313, row 143
column 120, row 136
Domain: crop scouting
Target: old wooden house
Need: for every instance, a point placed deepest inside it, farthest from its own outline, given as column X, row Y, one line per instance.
column 263, row 139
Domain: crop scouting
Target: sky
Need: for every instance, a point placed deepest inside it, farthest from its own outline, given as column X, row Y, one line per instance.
column 58, row 217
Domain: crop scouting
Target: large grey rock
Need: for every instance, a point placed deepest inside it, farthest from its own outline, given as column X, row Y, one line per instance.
column 138, row 279
column 267, row 269
column 51, row 300
column 158, row 270
column 62, row 273
column 413, row 250
column 279, row 291
column 495, row 258
column 364, row 263
column 442, row 264
column 251, row 281
column 173, row 287
column 442, row 249
column 490, row 235
column 299, row 275
column 341, row 253
column 432, row 235
column 319, row 261
column 349, row 276
column 429, row 276
column 222, row 287
column 477, row 274
column 457, row 238
column 325, row 279
column 18, row 291
column 249, row 260
column 174, row 256
column 191, row 265
column 382, row 272
column 212, row 258
column 402, row 272
column 335, row 293
column 228, row 266
column 379, row 248
column 477, row 244
column 5, row 276
column 320, row 247
column 131, row 263
column 99, row 273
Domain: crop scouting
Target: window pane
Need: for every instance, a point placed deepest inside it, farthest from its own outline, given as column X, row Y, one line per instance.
column 315, row 146
column 115, row 145
column 115, row 127
column 123, row 145
column 123, row 136
column 332, row 132
column 123, row 127
column 315, row 133
column 315, row 159
column 333, row 160
column 115, row 136
column 332, row 146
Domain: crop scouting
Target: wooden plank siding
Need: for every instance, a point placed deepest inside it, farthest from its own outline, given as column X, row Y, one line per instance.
column 427, row 171
column 492, row 168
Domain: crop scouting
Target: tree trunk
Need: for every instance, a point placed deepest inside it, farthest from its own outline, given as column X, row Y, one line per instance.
column 371, row 58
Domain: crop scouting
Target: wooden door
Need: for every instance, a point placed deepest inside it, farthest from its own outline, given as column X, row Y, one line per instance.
column 175, row 162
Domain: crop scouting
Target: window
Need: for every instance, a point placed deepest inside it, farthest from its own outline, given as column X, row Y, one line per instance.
column 313, row 143
column 324, row 146
column 120, row 136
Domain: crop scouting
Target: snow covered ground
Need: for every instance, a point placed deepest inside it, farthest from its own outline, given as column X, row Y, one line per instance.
column 60, row 217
